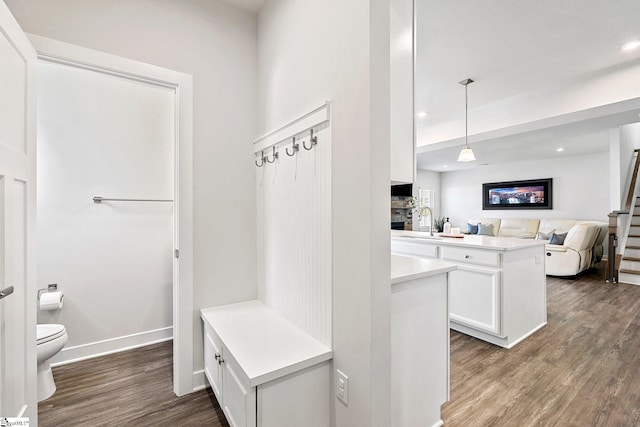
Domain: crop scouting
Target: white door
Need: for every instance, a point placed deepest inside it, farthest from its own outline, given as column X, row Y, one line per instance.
column 18, row 388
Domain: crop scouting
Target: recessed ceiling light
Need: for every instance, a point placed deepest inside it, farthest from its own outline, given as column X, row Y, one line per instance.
column 631, row 45
column 422, row 114
column 559, row 149
column 445, row 166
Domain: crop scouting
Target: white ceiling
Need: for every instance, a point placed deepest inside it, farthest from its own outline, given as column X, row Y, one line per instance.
column 511, row 48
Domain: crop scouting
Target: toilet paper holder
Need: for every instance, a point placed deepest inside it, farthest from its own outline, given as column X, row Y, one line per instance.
column 53, row 287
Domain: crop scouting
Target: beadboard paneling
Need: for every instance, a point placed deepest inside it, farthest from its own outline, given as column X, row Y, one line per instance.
column 294, row 234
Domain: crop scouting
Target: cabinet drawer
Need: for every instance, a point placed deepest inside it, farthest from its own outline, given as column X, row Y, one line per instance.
column 414, row 248
column 471, row 256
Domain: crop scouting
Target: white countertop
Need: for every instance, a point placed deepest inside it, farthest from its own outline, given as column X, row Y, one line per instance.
column 405, row 268
column 265, row 344
column 469, row 240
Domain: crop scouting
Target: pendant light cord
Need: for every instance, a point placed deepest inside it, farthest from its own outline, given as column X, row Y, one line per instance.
column 466, row 115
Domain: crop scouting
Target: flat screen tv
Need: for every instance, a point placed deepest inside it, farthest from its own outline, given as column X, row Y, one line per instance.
column 528, row 194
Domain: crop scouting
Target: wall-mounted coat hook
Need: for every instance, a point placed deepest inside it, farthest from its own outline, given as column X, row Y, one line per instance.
column 295, row 147
column 261, row 160
column 313, row 141
column 274, row 156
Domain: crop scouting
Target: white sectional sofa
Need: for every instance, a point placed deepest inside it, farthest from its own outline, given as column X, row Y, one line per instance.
column 582, row 248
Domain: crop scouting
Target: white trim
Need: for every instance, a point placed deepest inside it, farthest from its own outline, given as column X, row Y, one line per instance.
column 23, row 411
column 183, row 313
column 200, row 380
column 23, row 319
column 111, row 345
column 303, row 123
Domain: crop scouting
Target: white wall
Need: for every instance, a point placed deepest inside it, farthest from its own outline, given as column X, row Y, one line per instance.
column 216, row 44
column 104, row 135
column 309, row 52
column 580, row 189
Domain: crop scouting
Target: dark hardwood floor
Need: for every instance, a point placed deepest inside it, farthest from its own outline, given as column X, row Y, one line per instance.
column 582, row 369
column 132, row 388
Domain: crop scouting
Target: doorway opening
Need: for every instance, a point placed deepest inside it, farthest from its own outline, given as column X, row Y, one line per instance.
column 148, row 159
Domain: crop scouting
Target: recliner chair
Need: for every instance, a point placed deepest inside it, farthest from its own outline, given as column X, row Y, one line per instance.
column 576, row 254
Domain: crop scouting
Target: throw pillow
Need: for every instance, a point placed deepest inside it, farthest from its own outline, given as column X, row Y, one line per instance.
column 544, row 236
column 486, row 230
column 472, row 229
column 558, row 239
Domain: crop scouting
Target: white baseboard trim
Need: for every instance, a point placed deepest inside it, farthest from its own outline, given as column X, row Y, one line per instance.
column 112, row 345
column 199, row 380
column 22, row 411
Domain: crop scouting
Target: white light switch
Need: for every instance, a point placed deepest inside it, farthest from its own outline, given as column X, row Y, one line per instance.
column 342, row 386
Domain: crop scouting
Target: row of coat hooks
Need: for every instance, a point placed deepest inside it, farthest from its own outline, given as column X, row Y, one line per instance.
column 291, row 151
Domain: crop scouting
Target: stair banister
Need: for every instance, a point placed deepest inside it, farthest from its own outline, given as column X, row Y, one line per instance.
column 612, row 271
column 632, row 184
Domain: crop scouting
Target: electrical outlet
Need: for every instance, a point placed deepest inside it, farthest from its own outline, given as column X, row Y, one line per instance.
column 342, row 386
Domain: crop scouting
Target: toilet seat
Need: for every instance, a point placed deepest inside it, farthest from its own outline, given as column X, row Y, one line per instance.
column 49, row 332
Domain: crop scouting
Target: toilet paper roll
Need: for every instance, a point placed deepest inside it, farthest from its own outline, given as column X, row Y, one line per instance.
column 51, row 301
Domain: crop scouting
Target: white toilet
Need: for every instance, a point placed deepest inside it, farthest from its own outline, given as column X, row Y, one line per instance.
column 51, row 338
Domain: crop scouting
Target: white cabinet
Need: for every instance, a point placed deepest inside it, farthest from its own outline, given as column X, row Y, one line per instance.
column 419, row 344
column 402, row 152
column 498, row 293
column 473, row 256
column 263, row 370
column 475, row 288
column 474, row 298
column 238, row 398
column 229, row 384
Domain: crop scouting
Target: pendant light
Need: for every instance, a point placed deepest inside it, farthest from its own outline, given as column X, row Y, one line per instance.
column 466, row 154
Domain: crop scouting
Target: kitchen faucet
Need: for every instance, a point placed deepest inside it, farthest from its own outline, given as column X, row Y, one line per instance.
column 421, row 213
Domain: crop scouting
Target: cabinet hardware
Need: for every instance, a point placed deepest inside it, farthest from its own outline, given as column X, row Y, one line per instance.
column 467, row 256
column 6, row 292
column 217, row 356
column 220, row 360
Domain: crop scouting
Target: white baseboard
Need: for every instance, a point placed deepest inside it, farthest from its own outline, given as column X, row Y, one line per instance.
column 23, row 411
column 113, row 345
column 199, row 380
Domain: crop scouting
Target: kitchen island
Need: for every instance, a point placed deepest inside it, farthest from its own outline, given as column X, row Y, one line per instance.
column 419, row 340
column 498, row 292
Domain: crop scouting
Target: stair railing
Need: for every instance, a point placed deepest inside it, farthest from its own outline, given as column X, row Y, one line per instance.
column 632, row 184
column 613, row 257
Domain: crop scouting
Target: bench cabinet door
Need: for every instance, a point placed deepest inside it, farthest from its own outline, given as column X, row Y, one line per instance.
column 239, row 397
column 212, row 367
